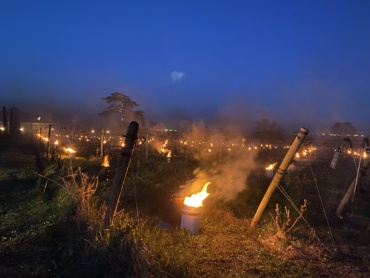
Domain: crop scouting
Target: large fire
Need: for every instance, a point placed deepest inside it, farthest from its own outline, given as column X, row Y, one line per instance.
column 196, row 200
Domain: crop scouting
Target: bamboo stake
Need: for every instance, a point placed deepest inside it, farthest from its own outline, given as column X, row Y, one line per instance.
column 279, row 174
column 364, row 141
column 364, row 166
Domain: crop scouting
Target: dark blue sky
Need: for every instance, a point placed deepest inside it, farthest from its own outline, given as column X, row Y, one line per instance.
column 305, row 62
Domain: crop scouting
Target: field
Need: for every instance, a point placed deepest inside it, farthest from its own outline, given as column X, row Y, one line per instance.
column 51, row 215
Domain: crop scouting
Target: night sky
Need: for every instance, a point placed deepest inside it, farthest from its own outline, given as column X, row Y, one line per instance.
column 305, row 63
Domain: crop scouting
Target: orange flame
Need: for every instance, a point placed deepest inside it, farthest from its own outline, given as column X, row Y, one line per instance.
column 196, row 200
column 105, row 161
column 69, row 150
column 271, row 166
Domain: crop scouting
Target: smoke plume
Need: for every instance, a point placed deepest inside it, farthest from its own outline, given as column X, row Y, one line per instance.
column 224, row 161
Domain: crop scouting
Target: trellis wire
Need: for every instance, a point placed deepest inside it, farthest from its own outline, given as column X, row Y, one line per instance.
column 322, row 204
column 286, row 195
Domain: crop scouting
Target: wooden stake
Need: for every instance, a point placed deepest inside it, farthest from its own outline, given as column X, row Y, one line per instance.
column 280, row 174
column 126, row 153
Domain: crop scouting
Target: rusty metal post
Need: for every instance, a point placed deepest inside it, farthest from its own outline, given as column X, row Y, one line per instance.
column 121, row 171
column 280, row 174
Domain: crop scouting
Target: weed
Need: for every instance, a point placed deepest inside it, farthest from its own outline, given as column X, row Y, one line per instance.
column 284, row 223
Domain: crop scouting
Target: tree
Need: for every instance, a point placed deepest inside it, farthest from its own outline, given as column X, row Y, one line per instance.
column 343, row 128
column 118, row 103
column 122, row 105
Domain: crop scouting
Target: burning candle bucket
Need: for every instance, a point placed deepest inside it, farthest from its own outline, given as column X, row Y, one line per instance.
column 190, row 219
column 270, row 171
column 269, row 174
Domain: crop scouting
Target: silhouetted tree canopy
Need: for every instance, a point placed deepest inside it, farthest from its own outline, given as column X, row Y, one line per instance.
column 122, row 105
column 343, row 128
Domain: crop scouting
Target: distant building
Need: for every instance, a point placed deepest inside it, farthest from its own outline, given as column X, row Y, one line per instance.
column 20, row 122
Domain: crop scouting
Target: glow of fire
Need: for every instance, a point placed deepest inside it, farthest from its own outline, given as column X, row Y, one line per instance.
column 105, row 161
column 196, row 200
column 69, row 150
column 297, row 155
column 169, row 154
column 56, row 142
column 271, row 166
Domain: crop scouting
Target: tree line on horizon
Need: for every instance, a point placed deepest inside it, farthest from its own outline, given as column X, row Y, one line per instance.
column 121, row 105
column 123, row 109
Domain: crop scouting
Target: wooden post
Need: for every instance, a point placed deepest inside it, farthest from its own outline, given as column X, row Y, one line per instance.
column 126, row 153
column 147, row 146
column 48, row 143
column 11, row 123
column 280, row 174
column 5, row 121
column 101, row 142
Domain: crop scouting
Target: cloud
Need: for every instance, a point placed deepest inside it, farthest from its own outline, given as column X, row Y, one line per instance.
column 177, row 75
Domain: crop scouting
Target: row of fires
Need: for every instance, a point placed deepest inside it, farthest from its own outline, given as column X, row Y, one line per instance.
column 190, row 220
column 164, row 148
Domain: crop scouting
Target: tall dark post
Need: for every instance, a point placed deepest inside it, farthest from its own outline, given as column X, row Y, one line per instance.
column 5, row 121
column 102, row 142
column 48, row 144
column 11, row 123
column 126, row 154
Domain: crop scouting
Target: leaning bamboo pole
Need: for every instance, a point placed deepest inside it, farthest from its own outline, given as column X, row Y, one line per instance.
column 279, row 174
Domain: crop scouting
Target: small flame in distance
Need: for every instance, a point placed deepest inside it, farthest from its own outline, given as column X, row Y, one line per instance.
column 69, row 150
column 271, row 166
column 105, row 161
